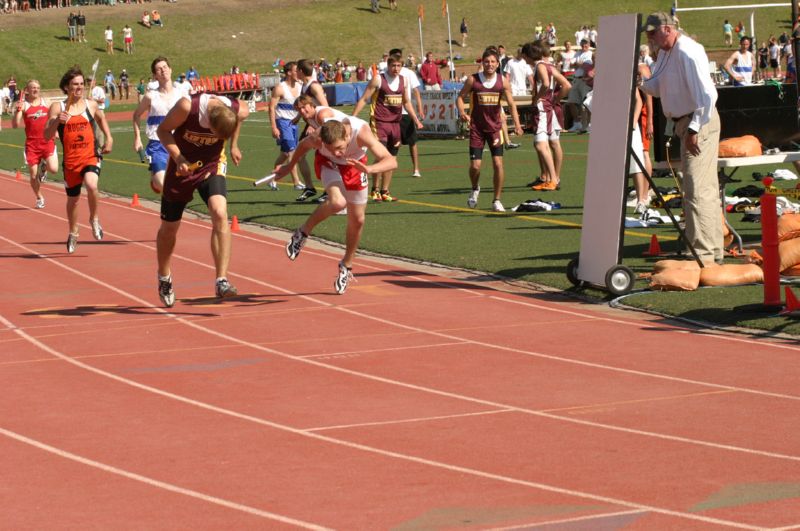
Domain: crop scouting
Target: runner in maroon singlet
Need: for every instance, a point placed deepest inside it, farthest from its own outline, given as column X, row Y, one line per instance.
column 387, row 96
column 485, row 89
column 194, row 134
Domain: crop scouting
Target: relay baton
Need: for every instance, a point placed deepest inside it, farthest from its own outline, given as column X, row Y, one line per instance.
column 264, row 180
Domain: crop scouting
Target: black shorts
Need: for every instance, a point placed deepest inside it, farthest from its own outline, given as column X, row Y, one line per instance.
column 408, row 131
column 214, row 185
column 773, row 63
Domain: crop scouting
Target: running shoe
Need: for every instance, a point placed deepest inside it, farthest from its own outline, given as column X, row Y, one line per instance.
column 296, row 243
column 535, row 182
column 547, row 186
column 512, row 145
column 97, row 230
column 42, row 171
column 472, row 202
column 272, row 185
column 387, row 198
column 343, row 278
column 497, row 206
column 225, row 289
column 640, row 209
column 298, row 186
column 39, row 202
column 166, row 293
column 416, row 174
column 72, row 242
column 322, row 198
column 307, row 194
column 375, row 195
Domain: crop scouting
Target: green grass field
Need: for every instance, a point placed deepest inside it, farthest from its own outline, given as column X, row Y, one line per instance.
column 431, row 221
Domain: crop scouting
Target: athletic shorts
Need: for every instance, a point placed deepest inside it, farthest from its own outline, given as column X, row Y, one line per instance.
column 128, row 40
column 773, row 63
column 36, row 151
column 157, row 156
column 638, row 149
column 172, row 210
column 288, row 138
column 351, row 182
column 388, row 134
column 408, row 131
column 578, row 92
column 73, row 176
column 477, row 139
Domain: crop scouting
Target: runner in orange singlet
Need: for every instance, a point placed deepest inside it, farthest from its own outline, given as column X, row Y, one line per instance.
column 75, row 121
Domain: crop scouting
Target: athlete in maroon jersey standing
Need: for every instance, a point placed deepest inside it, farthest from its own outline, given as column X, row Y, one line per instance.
column 387, row 96
column 485, row 89
column 194, row 134
column 40, row 154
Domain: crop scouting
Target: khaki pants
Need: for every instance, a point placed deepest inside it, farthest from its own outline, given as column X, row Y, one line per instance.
column 701, row 200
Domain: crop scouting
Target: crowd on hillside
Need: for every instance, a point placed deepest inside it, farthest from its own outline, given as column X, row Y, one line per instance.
column 22, row 6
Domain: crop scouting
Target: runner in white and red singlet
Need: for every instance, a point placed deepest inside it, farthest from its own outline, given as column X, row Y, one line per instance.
column 40, row 154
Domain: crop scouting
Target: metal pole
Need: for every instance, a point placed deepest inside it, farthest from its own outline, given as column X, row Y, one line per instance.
column 421, row 48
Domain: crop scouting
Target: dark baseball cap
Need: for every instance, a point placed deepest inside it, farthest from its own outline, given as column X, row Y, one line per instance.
column 656, row 20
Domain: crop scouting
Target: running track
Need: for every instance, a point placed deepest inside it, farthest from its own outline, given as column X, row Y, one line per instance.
column 420, row 399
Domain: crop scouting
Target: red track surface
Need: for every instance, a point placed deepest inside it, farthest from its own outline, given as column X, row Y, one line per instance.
column 417, row 400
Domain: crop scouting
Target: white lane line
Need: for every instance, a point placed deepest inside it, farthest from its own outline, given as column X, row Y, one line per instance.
column 363, row 447
column 406, row 421
column 157, row 483
column 591, row 517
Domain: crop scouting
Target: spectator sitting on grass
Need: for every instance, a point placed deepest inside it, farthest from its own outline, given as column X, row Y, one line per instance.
column 156, row 18
column 146, row 20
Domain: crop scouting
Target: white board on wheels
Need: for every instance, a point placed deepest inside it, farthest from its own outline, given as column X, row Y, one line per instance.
column 606, row 168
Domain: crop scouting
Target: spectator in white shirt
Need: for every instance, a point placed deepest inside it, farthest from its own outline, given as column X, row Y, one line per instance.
column 519, row 75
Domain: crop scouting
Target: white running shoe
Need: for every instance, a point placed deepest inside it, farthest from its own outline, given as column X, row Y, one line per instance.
column 39, row 202
column 299, row 186
column 72, row 242
column 166, row 293
column 497, row 206
column 472, row 202
column 295, row 244
column 342, row 279
column 416, row 174
column 97, row 230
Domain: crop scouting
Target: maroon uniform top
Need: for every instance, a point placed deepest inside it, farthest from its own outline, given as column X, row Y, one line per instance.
column 387, row 104
column 485, row 104
column 198, row 144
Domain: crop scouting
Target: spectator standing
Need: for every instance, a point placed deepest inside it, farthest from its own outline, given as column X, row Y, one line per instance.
column 644, row 55
column 464, row 32
column 284, row 117
column 763, row 57
column 740, row 64
column 519, row 75
column 431, row 79
column 72, row 26
column 127, row 37
column 12, row 89
column 688, row 96
column 361, row 72
column 775, row 58
column 568, row 57
column 140, row 90
column 192, row 74
column 550, row 35
column 727, row 33
column 110, row 84
column 592, row 36
column 124, row 84
column 109, row 36
column 740, row 30
column 538, row 31
column 80, row 26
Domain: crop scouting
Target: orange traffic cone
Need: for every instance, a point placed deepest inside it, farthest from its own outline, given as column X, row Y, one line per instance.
column 792, row 304
column 655, row 247
column 135, row 200
column 19, row 175
column 235, row 224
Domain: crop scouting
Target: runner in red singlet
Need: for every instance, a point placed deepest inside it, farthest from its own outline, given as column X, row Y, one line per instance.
column 40, row 154
column 75, row 120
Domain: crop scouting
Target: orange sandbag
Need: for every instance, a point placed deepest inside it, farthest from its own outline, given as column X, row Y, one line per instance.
column 789, row 252
column 788, row 227
column 731, row 274
column 742, row 146
column 676, row 279
column 663, row 265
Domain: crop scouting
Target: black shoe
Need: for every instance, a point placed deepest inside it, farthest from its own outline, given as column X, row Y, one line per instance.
column 307, row 194
column 322, row 198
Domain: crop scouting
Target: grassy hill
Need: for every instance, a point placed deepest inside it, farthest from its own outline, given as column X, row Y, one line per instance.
column 213, row 35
